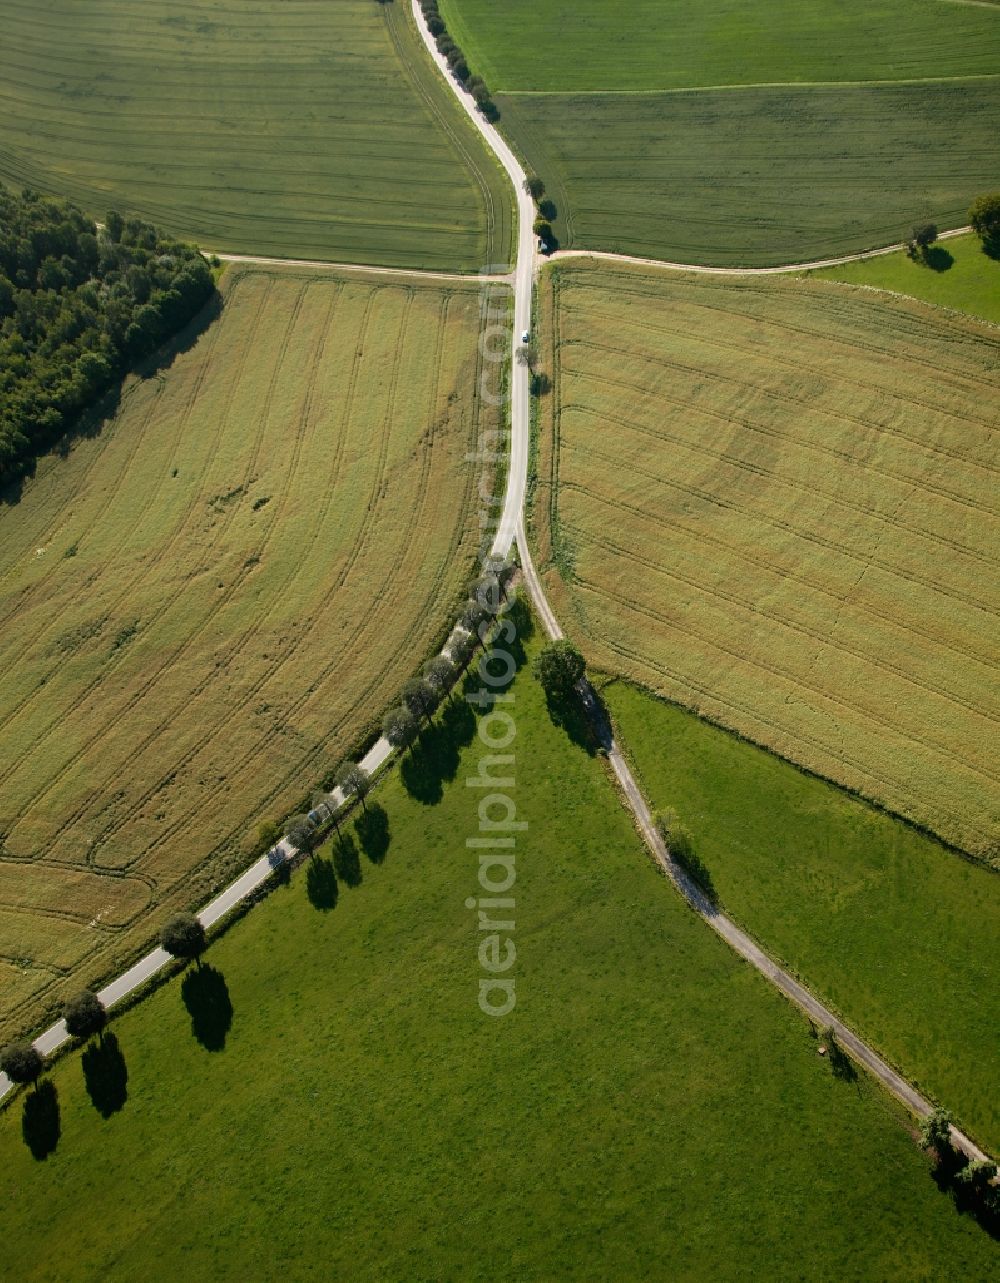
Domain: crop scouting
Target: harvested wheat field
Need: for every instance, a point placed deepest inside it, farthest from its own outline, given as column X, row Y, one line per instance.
column 775, row 502
column 212, row 599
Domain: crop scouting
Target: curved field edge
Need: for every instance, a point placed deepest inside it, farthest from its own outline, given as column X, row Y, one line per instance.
column 730, row 572
column 209, row 602
column 313, row 132
column 856, row 903
column 757, row 177
column 956, row 273
column 637, row 1038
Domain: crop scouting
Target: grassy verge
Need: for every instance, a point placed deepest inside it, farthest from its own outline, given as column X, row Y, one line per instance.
column 956, row 274
column 328, row 1099
column 873, row 916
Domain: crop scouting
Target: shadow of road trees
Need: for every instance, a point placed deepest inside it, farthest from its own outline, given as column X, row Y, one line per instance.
column 841, row 1064
column 577, row 717
column 206, row 996
column 372, row 828
column 321, row 884
column 346, row 860
column 980, row 1202
column 937, row 258
column 40, row 1124
column 105, row 1075
column 434, row 757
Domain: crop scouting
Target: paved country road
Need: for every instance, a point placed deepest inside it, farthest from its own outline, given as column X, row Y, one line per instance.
column 509, row 531
column 513, row 511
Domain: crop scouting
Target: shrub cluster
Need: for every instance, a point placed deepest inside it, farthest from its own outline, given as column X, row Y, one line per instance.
column 456, row 60
column 77, row 306
column 680, row 846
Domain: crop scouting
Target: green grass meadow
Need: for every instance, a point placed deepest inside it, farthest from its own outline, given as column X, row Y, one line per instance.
column 758, row 177
column 956, row 274
column 328, row 1101
column 312, row 129
column 900, row 936
column 567, row 46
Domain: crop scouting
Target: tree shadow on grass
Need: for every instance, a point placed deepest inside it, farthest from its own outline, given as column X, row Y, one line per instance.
column 433, row 760
column 372, row 828
column 321, row 884
column 346, row 860
column 841, row 1064
column 937, row 258
column 580, row 714
column 105, row 1075
column 40, row 1125
column 206, row 996
column 981, row 1204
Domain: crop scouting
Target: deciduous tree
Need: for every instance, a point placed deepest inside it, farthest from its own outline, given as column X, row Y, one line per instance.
column 559, row 666
column 85, row 1015
column 399, row 726
column 984, row 216
column 353, row 781
column 183, row 936
column 21, row 1062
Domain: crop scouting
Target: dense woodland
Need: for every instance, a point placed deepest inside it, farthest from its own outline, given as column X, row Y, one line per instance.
column 78, row 305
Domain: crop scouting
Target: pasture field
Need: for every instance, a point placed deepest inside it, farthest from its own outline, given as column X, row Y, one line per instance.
column 873, row 916
column 775, row 502
column 205, row 605
column 958, row 274
column 350, row 1113
column 567, row 46
column 759, row 176
column 310, row 129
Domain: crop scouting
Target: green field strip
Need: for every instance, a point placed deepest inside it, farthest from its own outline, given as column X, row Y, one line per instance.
column 763, row 178
column 854, row 902
column 565, row 46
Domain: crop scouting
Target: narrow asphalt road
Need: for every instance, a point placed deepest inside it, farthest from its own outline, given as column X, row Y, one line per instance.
column 513, row 525
column 511, row 529
column 524, row 267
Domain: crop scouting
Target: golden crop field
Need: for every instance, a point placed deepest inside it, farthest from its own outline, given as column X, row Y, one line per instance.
column 775, row 502
column 204, row 605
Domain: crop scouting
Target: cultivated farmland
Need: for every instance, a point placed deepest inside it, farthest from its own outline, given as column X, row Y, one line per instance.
column 206, row 604
column 312, row 129
column 740, row 133
column 567, row 46
column 775, row 502
column 758, row 176
column 357, row 1111
column 873, row 916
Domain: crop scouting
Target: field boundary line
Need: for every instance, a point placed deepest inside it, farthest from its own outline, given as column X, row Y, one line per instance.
column 736, row 938
column 467, row 278
column 755, row 84
column 707, row 269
